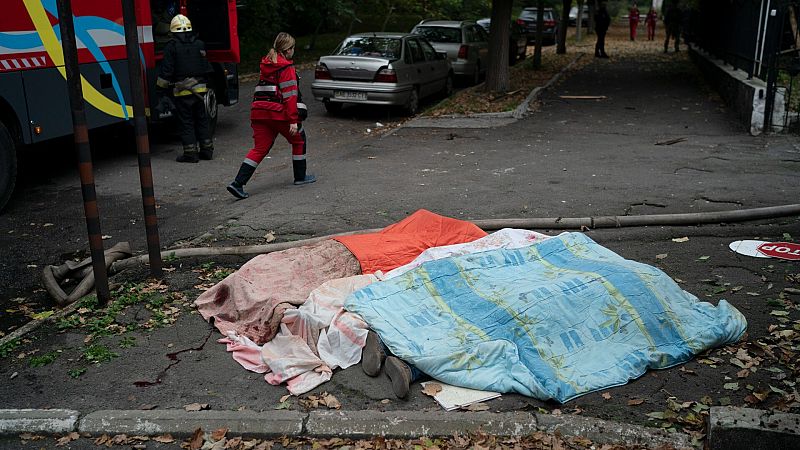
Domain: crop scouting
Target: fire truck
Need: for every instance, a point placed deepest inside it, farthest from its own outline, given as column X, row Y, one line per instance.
column 34, row 103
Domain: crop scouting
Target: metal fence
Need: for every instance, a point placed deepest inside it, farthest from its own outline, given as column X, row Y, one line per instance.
column 759, row 37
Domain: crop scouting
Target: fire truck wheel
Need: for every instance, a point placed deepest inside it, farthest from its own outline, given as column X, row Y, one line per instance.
column 8, row 165
column 212, row 107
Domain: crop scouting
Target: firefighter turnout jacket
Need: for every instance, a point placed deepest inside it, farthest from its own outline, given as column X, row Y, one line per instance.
column 184, row 66
column 275, row 95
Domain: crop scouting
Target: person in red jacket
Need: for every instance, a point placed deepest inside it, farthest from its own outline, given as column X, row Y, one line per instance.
column 633, row 20
column 652, row 18
column 273, row 112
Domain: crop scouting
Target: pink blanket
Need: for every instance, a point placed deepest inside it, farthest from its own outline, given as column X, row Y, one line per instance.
column 252, row 300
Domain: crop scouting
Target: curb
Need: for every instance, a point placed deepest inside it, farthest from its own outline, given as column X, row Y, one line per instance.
column 752, row 429
column 343, row 424
column 486, row 120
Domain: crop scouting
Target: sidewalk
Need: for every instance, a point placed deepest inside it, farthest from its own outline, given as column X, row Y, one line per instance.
column 139, row 381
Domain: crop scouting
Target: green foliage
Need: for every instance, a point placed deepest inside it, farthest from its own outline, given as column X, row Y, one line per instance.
column 42, row 360
column 76, row 372
column 9, row 347
column 127, row 342
column 97, row 353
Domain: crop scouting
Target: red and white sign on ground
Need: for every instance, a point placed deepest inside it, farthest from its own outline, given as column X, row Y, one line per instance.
column 782, row 250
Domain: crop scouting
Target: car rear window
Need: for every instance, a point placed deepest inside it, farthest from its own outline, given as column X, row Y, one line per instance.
column 376, row 47
column 440, row 34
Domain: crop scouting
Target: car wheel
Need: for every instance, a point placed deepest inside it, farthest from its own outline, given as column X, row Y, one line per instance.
column 412, row 104
column 447, row 90
column 8, row 165
column 332, row 107
column 212, row 108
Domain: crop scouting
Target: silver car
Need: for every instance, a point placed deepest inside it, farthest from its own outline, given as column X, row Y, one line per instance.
column 466, row 44
column 381, row 69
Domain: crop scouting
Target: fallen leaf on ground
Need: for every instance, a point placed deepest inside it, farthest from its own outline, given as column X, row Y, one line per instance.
column 680, row 239
column 285, row 397
column 219, row 434
column 635, row 401
column 731, row 386
column 64, row 440
column 606, row 396
column 661, row 255
column 476, row 407
column 196, row 407
column 432, row 389
column 196, row 441
column 164, row 439
column 331, row 401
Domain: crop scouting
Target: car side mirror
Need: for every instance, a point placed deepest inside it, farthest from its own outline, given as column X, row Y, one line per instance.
column 441, row 55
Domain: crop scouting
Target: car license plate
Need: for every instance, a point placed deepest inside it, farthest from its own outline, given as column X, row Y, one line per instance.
column 350, row 95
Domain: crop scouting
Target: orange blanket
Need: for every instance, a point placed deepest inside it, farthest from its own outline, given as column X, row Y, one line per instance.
column 403, row 241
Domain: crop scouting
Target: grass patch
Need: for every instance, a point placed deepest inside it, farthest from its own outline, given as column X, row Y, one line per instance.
column 9, row 347
column 127, row 342
column 42, row 360
column 97, row 353
column 98, row 321
column 76, row 372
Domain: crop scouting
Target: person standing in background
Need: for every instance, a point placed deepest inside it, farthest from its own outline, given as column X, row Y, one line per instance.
column 601, row 23
column 633, row 20
column 186, row 68
column 672, row 17
column 650, row 20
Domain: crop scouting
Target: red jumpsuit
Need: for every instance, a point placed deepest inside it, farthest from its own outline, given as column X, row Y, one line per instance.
column 652, row 18
column 268, row 119
column 633, row 21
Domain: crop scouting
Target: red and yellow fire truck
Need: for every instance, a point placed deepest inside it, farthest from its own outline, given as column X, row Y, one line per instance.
column 34, row 104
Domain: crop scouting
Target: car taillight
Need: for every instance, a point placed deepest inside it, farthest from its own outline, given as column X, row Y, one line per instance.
column 520, row 22
column 321, row 73
column 463, row 52
column 549, row 23
column 386, row 75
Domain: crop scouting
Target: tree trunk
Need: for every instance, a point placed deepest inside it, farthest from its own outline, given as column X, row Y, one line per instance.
column 562, row 30
column 537, row 51
column 579, row 22
column 497, row 76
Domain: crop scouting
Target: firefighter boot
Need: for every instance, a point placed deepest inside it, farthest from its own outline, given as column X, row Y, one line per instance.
column 189, row 154
column 372, row 355
column 207, row 149
column 236, row 188
column 300, row 176
column 400, row 375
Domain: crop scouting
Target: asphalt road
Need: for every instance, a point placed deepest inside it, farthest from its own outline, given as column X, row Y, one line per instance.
column 570, row 158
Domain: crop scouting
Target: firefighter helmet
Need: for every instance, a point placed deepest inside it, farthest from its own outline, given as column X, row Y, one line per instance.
column 180, row 24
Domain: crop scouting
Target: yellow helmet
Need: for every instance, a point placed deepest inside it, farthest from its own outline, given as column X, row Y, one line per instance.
column 180, row 24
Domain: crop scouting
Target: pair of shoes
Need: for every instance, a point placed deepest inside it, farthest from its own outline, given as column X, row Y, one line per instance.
column 604, row 56
column 372, row 355
column 400, row 375
column 237, row 191
column 187, row 158
column 310, row 178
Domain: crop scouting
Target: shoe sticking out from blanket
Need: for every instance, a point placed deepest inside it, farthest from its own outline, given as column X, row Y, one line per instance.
column 372, row 355
column 400, row 375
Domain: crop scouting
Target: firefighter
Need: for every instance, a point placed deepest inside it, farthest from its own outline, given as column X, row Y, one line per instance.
column 275, row 111
column 185, row 69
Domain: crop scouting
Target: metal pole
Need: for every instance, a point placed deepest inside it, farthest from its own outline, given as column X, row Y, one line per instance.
column 81, row 131
column 142, row 141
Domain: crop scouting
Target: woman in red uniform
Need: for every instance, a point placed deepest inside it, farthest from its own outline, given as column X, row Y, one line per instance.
column 274, row 112
column 652, row 18
column 633, row 20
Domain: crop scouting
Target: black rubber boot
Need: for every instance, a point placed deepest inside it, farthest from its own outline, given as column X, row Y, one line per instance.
column 207, row 149
column 300, row 176
column 189, row 155
column 236, row 188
